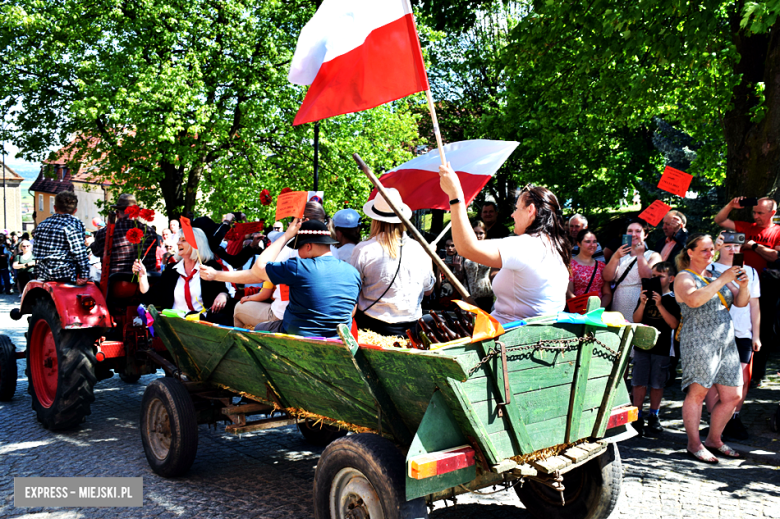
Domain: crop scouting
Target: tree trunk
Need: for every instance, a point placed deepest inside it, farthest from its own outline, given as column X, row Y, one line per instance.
column 171, row 187
column 753, row 148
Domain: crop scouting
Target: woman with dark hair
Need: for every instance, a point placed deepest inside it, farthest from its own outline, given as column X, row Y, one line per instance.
column 586, row 272
column 708, row 351
column 534, row 275
column 628, row 266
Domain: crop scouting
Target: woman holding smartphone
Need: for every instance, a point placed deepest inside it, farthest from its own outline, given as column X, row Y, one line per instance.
column 626, row 268
column 707, row 348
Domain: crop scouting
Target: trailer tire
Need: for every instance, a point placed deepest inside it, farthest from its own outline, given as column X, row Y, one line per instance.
column 320, row 435
column 169, row 427
column 592, row 490
column 363, row 471
column 60, row 369
column 8, row 370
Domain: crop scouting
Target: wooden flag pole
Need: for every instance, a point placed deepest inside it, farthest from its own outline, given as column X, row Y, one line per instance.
column 436, row 131
column 417, row 236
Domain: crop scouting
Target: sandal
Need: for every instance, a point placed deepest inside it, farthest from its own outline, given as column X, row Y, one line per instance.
column 703, row 455
column 726, row 451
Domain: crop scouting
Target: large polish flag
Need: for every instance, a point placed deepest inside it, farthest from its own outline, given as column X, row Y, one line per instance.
column 475, row 162
column 357, row 54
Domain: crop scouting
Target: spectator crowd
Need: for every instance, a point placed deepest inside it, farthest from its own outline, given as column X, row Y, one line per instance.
column 713, row 298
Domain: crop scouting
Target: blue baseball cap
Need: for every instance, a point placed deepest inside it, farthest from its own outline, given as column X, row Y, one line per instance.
column 346, row 218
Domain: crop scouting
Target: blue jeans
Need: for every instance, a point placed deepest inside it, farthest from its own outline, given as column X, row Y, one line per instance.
column 5, row 281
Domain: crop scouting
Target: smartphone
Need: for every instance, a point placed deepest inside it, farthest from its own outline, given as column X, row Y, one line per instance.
column 739, row 259
column 626, row 239
column 749, row 202
column 650, row 285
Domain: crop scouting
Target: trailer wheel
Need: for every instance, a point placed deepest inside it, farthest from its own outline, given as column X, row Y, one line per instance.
column 8, row 371
column 60, row 369
column 363, row 476
column 169, row 427
column 592, row 490
column 320, row 434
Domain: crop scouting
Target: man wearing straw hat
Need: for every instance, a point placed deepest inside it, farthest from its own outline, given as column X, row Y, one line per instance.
column 124, row 253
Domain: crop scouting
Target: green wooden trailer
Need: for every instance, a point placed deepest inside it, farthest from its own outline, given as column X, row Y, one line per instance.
column 537, row 409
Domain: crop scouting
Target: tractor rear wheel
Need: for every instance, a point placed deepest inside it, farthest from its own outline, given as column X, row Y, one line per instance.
column 60, row 369
column 8, row 371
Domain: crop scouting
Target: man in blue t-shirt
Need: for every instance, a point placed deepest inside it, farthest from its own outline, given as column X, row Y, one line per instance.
column 323, row 290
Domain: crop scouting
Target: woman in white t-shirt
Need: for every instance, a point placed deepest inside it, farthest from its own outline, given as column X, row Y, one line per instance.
column 534, row 275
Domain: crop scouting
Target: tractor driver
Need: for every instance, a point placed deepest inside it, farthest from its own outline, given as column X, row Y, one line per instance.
column 59, row 248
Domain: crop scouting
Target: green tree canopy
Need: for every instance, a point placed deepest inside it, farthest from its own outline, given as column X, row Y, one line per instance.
column 176, row 93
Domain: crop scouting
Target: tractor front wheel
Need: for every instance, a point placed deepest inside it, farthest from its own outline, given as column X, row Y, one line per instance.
column 60, row 369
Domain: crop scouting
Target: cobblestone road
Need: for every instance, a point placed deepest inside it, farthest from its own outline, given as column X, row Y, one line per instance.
column 270, row 474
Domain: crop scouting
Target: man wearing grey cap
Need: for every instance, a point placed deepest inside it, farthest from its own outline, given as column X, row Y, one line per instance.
column 345, row 230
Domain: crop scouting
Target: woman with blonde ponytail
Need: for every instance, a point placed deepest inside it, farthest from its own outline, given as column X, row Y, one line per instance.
column 395, row 270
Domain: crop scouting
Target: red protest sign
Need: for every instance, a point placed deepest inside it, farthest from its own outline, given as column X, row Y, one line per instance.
column 675, row 181
column 291, row 204
column 186, row 228
column 655, row 213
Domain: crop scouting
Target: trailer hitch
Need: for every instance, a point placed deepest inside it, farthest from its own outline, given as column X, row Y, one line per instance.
column 554, row 481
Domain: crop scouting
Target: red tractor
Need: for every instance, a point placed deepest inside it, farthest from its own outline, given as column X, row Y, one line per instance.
column 77, row 336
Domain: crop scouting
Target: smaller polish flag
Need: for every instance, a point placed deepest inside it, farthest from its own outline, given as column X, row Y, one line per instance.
column 357, row 54
column 475, row 162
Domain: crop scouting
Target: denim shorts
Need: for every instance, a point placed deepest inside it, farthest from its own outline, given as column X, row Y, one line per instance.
column 650, row 370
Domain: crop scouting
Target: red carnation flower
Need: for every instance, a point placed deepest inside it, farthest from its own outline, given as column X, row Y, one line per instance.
column 265, row 197
column 147, row 214
column 135, row 235
column 133, row 211
column 286, row 190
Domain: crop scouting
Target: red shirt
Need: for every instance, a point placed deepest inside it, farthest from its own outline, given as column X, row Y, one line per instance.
column 767, row 236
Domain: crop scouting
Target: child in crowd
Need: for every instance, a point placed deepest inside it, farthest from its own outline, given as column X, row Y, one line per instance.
column 651, row 367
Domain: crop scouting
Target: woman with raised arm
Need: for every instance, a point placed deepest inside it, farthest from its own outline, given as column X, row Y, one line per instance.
column 708, row 351
column 627, row 266
column 534, row 275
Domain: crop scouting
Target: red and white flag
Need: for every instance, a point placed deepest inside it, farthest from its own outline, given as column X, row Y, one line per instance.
column 357, row 54
column 475, row 162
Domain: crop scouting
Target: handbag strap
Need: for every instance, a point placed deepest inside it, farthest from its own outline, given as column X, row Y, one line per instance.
column 400, row 257
column 621, row 278
column 593, row 276
column 720, row 296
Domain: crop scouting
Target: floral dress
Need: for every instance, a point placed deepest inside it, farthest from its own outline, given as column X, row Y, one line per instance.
column 708, row 352
column 581, row 275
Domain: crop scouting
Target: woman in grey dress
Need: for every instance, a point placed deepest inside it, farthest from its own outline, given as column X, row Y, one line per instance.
column 708, row 351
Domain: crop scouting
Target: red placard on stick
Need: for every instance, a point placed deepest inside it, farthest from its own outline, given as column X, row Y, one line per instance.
column 655, row 213
column 291, row 204
column 675, row 181
column 186, row 228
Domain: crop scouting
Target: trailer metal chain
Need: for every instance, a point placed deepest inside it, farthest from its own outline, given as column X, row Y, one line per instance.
column 549, row 345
